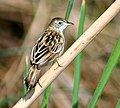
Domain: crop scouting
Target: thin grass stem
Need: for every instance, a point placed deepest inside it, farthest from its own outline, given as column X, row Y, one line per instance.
column 69, row 8
column 112, row 62
column 78, row 59
column 25, row 75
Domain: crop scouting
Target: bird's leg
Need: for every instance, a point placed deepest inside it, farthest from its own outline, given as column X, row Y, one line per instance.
column 58, row 62
column 39, row 84
column 38, row 77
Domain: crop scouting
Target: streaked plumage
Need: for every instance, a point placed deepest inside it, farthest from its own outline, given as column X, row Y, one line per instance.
column 47, row 48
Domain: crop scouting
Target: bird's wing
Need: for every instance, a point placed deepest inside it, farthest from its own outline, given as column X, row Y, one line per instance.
column 46, row 48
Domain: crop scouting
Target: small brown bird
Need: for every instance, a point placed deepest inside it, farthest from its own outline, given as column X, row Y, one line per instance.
column 48, row 47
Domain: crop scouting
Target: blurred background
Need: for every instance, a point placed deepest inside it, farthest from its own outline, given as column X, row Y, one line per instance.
column 21, row 23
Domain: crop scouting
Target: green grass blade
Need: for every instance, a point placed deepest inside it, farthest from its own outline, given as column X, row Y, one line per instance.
column 69, row 8
column 25, row 75
column 118, row 104
column 48, row 90
column 106, row 75
column 78, row 59
column 46, row 96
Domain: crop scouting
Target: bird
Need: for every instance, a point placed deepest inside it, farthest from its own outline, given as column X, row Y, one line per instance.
column 48, row 47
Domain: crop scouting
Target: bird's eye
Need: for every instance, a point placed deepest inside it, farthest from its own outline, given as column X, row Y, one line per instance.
column 60, row 23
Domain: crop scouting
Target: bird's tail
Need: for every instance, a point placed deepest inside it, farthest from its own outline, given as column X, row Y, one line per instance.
column 32, row 78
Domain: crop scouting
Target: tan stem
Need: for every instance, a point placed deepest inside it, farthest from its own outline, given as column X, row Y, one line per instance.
column 70, row 54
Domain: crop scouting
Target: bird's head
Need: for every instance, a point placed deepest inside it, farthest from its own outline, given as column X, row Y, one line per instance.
column 59, row 24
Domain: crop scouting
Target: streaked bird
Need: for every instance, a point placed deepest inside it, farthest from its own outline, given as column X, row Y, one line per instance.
column 48, row 47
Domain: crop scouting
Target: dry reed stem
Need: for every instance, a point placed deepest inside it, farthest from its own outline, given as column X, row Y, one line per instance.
column 70, row 54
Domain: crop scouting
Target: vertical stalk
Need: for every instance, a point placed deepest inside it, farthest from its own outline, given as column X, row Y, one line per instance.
column 78, row 59
column 25, row 74
column 112, row 62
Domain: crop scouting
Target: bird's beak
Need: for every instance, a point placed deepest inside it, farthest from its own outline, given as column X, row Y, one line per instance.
column 70, row 23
